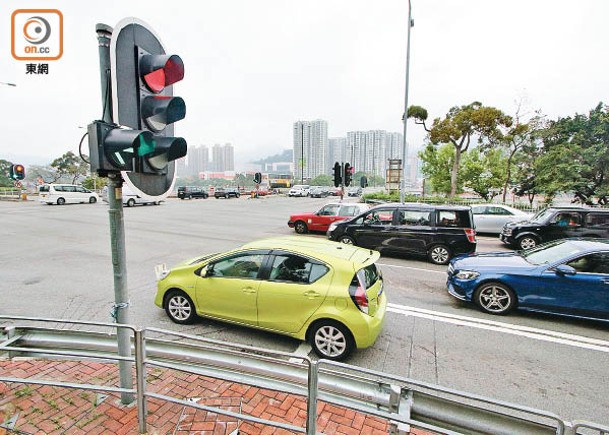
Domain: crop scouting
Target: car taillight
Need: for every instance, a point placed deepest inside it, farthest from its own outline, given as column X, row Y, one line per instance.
column 471, row 235
column 358, row 295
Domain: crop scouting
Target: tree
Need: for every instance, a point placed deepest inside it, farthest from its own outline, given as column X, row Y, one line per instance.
column 437, row 164
column 5, row 181
column 322, row 180
column 576, row 157
column 459, row 127
column 70, row 166
column 483, row 172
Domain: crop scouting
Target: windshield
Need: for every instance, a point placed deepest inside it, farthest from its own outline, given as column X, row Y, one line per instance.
column 549, row 253
column 542, row 215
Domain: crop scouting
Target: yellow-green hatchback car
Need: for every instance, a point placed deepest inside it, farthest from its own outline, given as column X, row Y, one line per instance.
column 327, row 293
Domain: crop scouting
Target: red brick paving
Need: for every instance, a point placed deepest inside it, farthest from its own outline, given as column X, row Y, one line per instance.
column 54, row 410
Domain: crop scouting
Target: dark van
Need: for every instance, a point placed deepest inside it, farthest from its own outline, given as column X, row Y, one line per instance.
column 190, row 192
column 438, row 232
column 555, row 223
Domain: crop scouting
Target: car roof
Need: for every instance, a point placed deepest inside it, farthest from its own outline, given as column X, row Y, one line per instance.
column 578, row 208
column 586, row 244
column 418, row 205
column 316, row 248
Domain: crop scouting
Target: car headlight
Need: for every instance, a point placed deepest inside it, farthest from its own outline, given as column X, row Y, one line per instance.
column 332, row 226
column 467, row 275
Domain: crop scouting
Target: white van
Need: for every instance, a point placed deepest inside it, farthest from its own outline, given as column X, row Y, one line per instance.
column 61, row 194
column 130, row 198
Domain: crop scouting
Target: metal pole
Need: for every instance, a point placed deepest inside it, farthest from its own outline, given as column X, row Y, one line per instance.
column 405, row 149
column 140, row 370
column 120, row 310
column 312, row 385
column 302, row 153
column 119, row 263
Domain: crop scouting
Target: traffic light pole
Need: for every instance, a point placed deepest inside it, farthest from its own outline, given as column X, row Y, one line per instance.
column 120, row 311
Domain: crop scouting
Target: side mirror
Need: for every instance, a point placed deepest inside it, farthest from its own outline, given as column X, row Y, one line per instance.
column 206, row 271
column 564, row 269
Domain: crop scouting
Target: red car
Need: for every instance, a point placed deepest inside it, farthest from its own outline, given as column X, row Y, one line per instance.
column 321, row 220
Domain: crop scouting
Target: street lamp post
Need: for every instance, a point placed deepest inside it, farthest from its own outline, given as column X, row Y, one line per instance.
column 405, row 149
column 8, row 84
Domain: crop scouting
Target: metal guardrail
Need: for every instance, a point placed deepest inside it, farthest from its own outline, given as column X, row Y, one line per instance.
column 403, row 402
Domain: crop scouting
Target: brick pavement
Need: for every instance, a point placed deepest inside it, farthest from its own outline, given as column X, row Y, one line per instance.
column 52, row 410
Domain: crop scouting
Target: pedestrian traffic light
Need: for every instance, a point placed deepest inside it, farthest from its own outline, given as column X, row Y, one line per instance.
column 338, row 178
column 142, row 76
column 348, row 174
column 363, row 182
column 257, row 178
column 17, row 172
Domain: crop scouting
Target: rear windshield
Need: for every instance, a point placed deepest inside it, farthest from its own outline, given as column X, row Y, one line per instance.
column 369, row 275
column 454, row 218
column 43, row 188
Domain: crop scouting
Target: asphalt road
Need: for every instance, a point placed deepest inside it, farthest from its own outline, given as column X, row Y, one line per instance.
column 56, row 262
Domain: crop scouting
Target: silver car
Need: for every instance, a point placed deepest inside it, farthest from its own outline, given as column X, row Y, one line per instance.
column 490, row 218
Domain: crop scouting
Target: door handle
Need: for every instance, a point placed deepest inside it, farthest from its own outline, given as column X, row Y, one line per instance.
column 249, row 290
column 311, row 294
column 605, row 281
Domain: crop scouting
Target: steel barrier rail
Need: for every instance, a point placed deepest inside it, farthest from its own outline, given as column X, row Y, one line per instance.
column 400, row 400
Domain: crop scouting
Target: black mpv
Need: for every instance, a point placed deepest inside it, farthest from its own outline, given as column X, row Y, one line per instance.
column 438, row 232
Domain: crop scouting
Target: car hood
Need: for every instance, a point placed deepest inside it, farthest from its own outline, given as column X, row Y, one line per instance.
column 522, row 223
column 293, row 217
column 491, row 260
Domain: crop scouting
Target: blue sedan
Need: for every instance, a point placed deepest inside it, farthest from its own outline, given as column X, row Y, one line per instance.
column 567, row 277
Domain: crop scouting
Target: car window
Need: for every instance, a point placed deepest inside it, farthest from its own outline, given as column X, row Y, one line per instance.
column 80, row 189
column 598, row 220
column 448, row 218
column 567, row 219
column 480, row 209
column 294, row 268
column 379, row 217
column 43, row 189
column 591, row 263
column 329, row 210
column 414, row 217
column 498, row 211
column 238, row 266
column 69, row 189
column 349, row 210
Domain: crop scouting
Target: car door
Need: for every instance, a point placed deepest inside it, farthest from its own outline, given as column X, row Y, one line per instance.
column 375, row 228
column 295, row 288
column 563, row 225
column 412, row 232
column 228, row 288
column 321, row 220
column 480, row 218
column 585, row 293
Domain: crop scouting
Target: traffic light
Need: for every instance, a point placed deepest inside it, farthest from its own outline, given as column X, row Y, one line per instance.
column 141, row 144
column 17, row 172
column 338, row 178
column 348, row 174
column 363, row 182
column 257, row 178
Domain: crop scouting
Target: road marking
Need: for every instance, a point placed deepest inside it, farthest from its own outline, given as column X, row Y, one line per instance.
column 420, row 269
column 523, row 331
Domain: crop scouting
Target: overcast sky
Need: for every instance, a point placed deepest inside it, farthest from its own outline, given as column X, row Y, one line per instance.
column 253, row 68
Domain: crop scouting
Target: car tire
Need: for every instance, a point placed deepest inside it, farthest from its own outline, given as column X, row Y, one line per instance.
column 300, row 227
column 189, row 196
column 331, row 340
column 179, row 307
column 495, row 298
column 61, row 201
column 527, row 242
column 130, row 202
column 92, row 200
column 346, row 240
column 237, row 195
column 439, row 254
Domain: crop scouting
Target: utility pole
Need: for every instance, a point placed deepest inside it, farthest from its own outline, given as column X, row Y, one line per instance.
column 405, row 149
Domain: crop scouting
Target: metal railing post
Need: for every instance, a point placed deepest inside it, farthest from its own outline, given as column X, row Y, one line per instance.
column 140, row 378
column 312, row 380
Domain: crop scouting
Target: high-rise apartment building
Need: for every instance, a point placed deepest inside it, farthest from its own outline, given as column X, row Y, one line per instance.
column 310, row 140
column 337, row 151
column 198, row 160
column 369, row 151
column 222, row 158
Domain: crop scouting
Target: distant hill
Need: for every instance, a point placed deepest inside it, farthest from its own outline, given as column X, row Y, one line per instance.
column 285, row 156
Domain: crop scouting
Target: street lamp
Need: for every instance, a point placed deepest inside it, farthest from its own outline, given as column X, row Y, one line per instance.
column 8, row 84
column 405, row 149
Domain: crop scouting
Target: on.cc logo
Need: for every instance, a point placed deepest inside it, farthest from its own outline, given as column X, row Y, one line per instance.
column 36, row 30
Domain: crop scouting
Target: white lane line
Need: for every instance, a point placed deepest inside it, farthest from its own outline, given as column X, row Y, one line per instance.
column 523, row 331
column 419, row 269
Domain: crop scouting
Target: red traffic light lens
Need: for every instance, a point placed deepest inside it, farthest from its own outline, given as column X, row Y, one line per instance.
column 158, row 72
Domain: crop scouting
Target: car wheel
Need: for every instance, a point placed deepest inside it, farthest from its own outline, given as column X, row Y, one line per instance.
column 130, row 202
column 61, row 201
column 179, row 307
column 527, row 242
column 495, row 298
column 438, row 254
column 331, row 340
column 92, row 200
column 346, row 240
column 189, row 196
column 237, row 195
column 300, row 227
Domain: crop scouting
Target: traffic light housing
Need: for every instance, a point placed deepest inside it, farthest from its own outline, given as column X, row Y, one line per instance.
column 17, row 172
column 338, row 178
column 140, row 143
column 348, row 174
column 258, row 178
